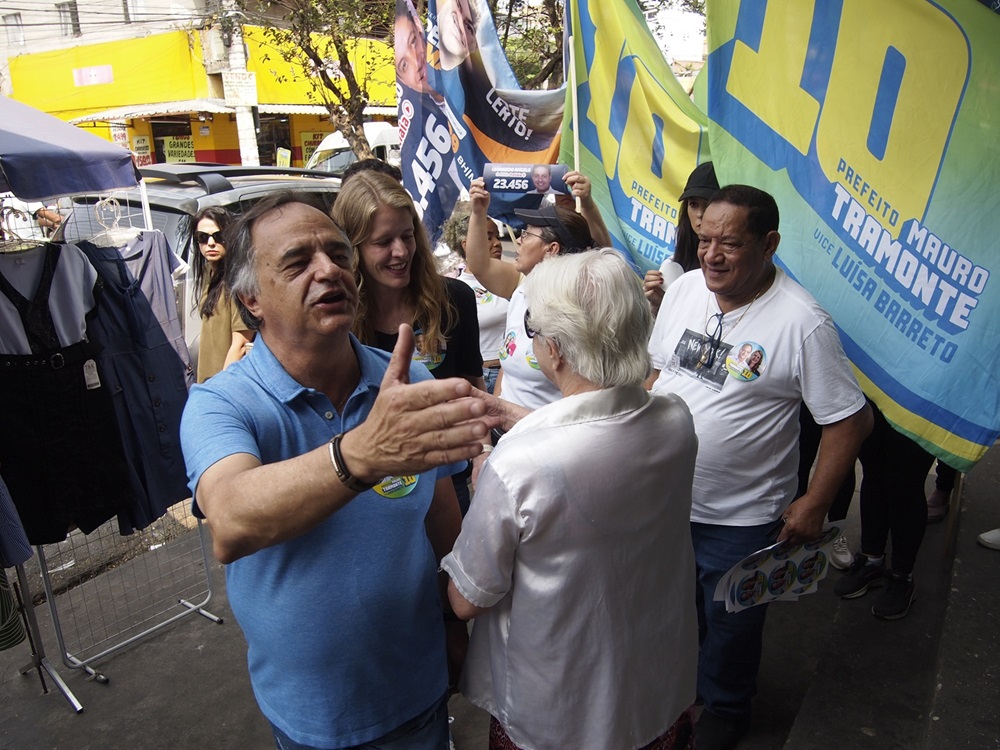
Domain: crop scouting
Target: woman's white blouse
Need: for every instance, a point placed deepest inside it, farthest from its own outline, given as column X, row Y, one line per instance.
column 578, row 538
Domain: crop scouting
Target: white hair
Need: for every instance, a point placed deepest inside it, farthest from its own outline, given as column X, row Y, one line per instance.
column 593, row 306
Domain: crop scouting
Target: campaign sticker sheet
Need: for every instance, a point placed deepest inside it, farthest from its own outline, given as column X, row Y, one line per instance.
column 779, row 572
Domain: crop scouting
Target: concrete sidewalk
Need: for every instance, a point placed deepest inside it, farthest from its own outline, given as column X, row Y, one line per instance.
column 833, row 676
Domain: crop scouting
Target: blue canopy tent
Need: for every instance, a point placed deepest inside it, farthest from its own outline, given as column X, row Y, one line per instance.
column 41, row 156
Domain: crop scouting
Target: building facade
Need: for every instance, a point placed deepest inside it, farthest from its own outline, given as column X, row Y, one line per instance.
column 172, row 80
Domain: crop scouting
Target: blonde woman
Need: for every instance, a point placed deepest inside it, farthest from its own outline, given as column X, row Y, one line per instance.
column 397, row 284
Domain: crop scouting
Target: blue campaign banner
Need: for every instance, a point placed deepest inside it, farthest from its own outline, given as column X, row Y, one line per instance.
column 875, row 126
column 460, row 107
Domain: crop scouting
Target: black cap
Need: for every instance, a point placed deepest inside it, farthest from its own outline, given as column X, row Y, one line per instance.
column 546, row 216
column 702, row 183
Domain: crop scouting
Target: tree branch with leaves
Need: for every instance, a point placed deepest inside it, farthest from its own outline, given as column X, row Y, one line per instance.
column 339, row 46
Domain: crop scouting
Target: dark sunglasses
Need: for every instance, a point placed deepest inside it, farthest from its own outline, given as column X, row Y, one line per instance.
column 527, row 325
column 202, row 237
column 714, row 338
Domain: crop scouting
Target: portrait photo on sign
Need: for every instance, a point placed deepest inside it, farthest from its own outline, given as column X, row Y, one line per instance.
column 529, row 179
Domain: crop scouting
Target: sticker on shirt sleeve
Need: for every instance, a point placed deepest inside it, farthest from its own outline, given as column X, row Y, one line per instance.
column 430, row 360
column 509, row 345
column 397, row 487
column 746, row 361
column 483, row 296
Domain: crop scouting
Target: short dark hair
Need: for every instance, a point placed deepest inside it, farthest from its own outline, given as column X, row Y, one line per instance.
column 241, row 270
column 371, row 165
column 762, row 210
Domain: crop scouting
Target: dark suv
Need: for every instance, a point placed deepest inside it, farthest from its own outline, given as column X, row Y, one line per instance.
column 175, row 195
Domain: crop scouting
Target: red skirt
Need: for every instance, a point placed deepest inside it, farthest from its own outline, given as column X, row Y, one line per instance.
column 680, row 736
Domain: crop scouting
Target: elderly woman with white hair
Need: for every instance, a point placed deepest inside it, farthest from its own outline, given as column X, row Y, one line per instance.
column 576, row 555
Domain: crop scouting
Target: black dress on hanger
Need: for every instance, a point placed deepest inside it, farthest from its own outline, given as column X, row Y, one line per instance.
column 60, row 448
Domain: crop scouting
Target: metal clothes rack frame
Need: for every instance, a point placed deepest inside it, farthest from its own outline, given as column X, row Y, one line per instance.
column 106, row 591
column 38, row 659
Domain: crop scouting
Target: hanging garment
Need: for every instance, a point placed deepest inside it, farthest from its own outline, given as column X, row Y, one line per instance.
column 147, row 367
column 60, row 448
column 14, row 546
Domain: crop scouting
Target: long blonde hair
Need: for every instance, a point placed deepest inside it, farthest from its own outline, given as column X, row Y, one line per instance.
column 354, row 212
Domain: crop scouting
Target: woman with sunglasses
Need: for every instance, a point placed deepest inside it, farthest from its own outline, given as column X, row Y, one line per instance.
column 550, row 231
column 224, row 335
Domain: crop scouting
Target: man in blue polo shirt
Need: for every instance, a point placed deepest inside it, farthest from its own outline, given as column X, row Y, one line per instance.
column 315, row 461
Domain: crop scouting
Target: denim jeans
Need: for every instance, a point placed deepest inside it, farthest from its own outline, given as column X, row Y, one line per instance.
column 426, row 731
column 730, row 643
column 490, row 376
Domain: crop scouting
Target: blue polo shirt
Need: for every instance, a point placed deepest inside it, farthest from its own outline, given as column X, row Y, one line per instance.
column 343, row 623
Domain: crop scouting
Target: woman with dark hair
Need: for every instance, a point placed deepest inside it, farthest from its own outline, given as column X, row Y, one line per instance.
column 398, row 283
column 224, row 335
column 550, row 231
column 701, row 185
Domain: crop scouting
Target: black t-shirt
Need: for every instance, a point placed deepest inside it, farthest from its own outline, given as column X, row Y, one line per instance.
column 461, row 357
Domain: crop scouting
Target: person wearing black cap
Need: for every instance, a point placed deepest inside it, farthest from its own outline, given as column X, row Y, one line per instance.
column 551, row 230
column 701, row 185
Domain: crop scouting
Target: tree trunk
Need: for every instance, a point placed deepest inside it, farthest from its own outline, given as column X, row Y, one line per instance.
column 354, row 132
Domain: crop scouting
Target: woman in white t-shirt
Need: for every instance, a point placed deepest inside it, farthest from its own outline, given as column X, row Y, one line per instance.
column 491, row 308
column 701, row 186
column 551, row 230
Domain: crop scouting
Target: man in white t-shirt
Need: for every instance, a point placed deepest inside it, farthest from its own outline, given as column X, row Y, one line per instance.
column 747, row 425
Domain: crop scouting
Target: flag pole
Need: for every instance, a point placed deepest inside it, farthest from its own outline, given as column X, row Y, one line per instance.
column 576, row 114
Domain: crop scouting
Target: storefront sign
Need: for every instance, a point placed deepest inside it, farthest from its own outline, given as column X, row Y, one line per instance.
column 178, row 148
column 240, row 87
column 310, row 142
column 142, row 148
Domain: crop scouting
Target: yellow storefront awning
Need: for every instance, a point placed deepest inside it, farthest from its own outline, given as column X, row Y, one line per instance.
column 319, row 109
column 136, row 111
column 215, row 106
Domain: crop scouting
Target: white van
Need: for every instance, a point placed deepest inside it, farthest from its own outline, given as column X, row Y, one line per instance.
column 334, row 154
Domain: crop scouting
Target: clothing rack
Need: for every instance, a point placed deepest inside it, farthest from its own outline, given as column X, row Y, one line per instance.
column 38, row 659
column 106, row 591
column 126, row 588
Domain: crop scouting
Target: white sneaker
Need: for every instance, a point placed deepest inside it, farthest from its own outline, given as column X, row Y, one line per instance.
column 990, row 539
column 841, row 557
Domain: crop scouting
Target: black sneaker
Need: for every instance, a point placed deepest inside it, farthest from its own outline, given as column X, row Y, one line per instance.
column 859, row 577
column 894, row 602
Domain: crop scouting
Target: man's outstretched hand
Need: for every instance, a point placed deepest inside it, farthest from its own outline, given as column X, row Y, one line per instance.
column 415, row 427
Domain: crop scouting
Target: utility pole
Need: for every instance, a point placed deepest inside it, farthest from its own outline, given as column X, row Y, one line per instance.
column 240, row 85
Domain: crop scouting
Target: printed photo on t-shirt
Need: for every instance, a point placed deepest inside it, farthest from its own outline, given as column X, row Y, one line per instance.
column 694, row 356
